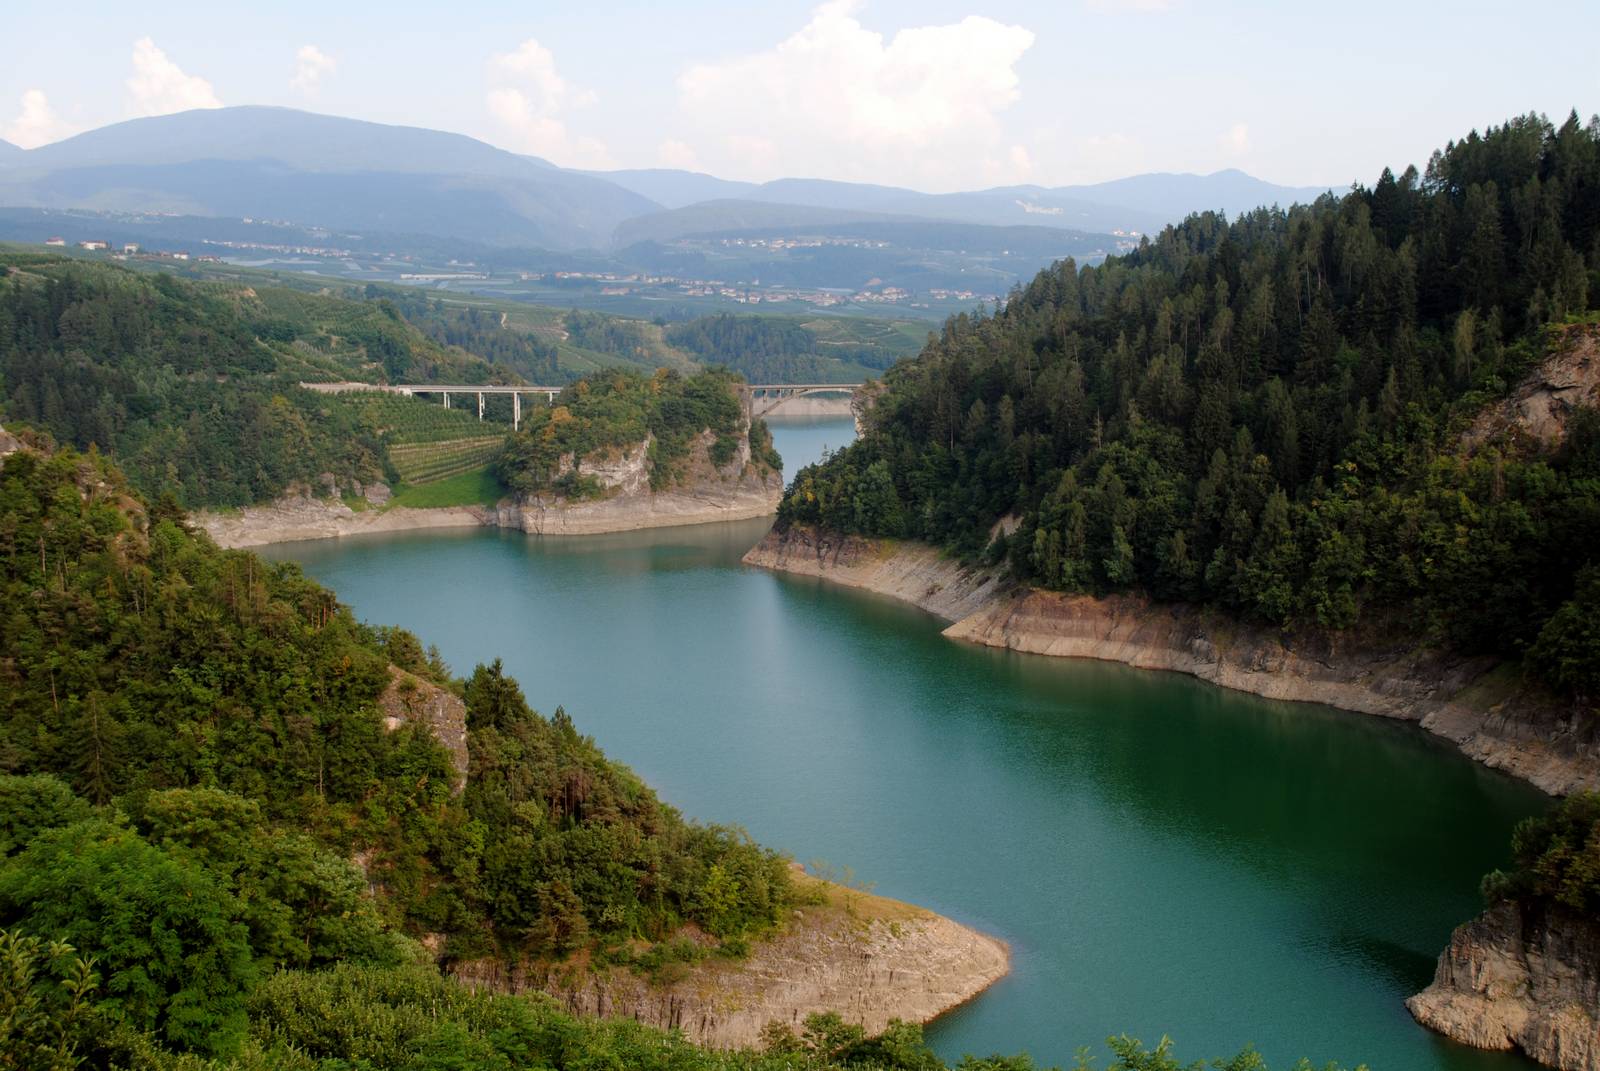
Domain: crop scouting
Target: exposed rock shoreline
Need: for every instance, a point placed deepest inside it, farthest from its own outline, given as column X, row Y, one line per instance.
column 1520, row 977
column 868, row 958
column 1492, row 716
column 737, row 491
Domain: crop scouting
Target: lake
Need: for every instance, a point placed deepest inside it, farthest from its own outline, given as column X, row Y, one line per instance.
column 1164, row 857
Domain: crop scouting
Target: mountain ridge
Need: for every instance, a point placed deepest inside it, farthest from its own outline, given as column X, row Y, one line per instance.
column 357, row 175
column 321, row 170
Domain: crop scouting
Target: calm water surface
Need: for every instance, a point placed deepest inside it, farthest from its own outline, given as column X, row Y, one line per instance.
column 1162, row 855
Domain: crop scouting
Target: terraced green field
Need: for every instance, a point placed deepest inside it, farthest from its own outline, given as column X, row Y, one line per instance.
column 424, row 440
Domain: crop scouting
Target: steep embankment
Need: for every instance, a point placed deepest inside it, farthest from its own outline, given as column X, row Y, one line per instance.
column 1520, row 977
column 866, row 957
column 1491, row 715
column 705, row 492
column 1534, row 416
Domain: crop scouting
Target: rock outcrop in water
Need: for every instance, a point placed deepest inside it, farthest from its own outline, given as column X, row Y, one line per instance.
column 1493, row 716
column 1521, row 978
column 866, row 957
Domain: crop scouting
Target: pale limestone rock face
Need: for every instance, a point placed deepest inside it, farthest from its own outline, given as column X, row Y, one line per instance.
column 1536, row 412
column 736, row 491
column 9, row 443
column 1525, row 978
column 410, row 700
column 913, row 967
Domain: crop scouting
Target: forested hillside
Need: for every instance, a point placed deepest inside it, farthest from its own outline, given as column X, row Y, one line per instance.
column 192, row 386
column 216, row 856
column 770, row 349
column 192, row 750
column 479, row 332
column 620, row 410
column 1266, row 413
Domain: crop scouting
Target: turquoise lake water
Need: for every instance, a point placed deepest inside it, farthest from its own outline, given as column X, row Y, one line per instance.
column 1163, row 856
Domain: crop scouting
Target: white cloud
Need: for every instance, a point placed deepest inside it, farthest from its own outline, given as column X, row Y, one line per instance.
column 528, row 95
column 310, row 65
column 37, row 124
column 842, row 100
column 674, row 153
column 1237, row 139
column 159, row 86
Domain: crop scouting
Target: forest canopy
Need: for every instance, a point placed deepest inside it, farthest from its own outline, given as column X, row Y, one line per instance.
column 615, row 411
column 193, row 386
column 1266, row 414
column 192, row 753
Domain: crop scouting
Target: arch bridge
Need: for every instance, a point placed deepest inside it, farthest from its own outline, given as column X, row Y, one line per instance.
column 763, row 398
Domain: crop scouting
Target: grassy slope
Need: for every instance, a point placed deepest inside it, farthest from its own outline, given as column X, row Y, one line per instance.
column 476, row 488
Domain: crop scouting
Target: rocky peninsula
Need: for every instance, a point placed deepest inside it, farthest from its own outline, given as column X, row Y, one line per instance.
column 866, row 957
column 1520, row 977
column 869, row 958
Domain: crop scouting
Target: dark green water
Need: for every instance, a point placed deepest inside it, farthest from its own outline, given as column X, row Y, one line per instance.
column 1162, row 855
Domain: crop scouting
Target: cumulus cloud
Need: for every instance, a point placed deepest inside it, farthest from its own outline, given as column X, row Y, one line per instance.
column 674, row 153
column 529, row 97
column 841, row 99
column 1237, row 139
column 37, row 124
column 310, row 65
column 159, row 86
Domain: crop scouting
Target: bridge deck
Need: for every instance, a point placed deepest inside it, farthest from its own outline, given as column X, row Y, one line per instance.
column 429, row 388
column 841, row 387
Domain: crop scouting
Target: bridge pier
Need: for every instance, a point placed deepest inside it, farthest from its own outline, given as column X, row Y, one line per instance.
column 480, row 407
column 516, row 411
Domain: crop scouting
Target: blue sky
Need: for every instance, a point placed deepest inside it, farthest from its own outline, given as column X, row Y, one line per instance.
column 937, row 94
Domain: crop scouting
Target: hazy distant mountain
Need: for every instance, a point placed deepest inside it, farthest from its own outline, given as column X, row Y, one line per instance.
column 1231, row 191
column 319, row 170
column 737, row 217
column 676, row 189
column 1143, row 203
column 763, row 219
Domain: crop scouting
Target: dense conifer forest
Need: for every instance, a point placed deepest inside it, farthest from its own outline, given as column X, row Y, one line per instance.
column 767, row 349
column 1267, row 413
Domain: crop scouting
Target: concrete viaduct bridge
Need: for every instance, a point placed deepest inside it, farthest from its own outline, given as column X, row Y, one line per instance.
column 760, row 398
column 444, row 390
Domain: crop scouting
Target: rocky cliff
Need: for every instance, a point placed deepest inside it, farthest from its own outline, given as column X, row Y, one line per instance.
column 1534, row 417
column 410, row 700
column 1492, row 715
column 705, row 492
column 1520, row 977
column 866, row 957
